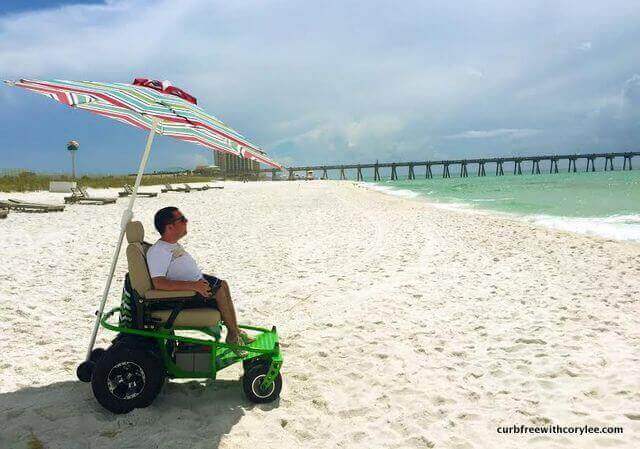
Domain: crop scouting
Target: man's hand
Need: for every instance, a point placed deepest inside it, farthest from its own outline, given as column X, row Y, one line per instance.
column 202, row 287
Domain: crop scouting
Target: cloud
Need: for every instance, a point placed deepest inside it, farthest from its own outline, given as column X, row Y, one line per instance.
column 616, row 121
column 340, row 140
column 371, row 128
column 495, row 133
column 475, row 72
column 631, row 91
column 335, row 80
column 584, row 46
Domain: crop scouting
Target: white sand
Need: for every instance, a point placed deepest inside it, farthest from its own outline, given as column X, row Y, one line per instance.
column 403, row 325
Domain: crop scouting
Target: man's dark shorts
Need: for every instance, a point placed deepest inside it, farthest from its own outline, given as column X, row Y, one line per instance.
column 200, row 301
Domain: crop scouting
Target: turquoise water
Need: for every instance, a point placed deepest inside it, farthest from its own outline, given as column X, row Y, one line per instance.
column 601, row 203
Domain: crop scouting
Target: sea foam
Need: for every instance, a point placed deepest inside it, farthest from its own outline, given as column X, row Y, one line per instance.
column 617, row 227
column 391, row 190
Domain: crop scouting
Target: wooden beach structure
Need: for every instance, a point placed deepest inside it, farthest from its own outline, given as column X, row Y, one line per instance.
column 25, row 206
column 79, row 195
column 478, row 165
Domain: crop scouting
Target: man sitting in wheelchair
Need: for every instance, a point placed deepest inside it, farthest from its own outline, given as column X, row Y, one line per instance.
column 172, row 268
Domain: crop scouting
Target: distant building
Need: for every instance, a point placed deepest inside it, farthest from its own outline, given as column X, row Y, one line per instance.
column 235, row 166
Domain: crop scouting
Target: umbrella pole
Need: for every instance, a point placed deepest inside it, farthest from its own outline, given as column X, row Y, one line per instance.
column 126, row 218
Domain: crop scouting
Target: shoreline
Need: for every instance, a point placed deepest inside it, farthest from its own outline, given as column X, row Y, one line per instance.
column 596, row 227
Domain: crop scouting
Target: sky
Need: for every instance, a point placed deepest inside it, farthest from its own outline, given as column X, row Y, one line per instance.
column 330, row 82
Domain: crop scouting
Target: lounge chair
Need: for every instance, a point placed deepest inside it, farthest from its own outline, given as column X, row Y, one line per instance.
column 204, row 187
column 4, row 213
column 189, row 187
column 128, row 190
column 170, row 188
column 80, row 195
column 25, row 206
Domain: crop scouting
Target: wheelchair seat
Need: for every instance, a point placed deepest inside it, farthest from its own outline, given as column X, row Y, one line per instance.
column 141, row 282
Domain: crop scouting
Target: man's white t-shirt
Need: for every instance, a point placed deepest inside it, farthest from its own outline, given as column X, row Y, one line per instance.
column 170, row 260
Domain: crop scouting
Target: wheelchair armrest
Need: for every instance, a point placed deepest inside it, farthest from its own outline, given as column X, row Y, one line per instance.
column 166, row 294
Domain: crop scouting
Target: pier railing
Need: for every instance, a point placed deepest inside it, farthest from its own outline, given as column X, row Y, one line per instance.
column 479, row 165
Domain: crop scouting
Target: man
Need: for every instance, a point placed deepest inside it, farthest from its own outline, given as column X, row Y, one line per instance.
column 172, row 268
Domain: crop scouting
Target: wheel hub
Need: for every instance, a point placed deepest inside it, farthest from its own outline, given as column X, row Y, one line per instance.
column 126, row 380
column 256, row 386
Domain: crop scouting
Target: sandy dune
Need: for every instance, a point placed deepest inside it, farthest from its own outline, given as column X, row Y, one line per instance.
column 403, row 325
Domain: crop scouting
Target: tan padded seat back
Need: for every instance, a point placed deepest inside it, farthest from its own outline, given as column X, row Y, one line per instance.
column 135, row 232
column 136, row 258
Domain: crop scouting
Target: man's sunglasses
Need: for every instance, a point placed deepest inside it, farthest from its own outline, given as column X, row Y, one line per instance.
column 181, row 218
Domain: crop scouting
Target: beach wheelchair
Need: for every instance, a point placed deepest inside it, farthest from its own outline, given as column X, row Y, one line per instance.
column 155, row 342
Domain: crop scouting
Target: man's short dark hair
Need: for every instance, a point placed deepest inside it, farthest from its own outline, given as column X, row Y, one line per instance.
column 164, row 217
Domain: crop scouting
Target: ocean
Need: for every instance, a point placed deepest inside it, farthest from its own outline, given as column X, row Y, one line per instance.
column 605, row 204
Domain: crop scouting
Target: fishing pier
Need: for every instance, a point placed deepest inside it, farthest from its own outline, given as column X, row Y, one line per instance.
column 479, row 166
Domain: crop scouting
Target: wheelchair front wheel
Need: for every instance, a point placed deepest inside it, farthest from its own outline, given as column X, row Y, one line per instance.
column 252, row 385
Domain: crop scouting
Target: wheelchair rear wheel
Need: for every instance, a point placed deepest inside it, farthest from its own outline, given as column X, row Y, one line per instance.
column 127, row 378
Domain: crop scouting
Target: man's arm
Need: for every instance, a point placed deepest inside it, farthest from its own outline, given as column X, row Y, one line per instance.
column 162, row 283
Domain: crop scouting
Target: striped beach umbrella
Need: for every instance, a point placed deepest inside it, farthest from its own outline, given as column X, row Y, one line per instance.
column 175, row 111
column 152, row 105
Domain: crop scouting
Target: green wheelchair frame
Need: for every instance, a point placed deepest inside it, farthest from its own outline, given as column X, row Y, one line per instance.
column 265, row 347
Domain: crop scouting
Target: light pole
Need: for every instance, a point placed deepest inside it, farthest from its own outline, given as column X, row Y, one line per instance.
column 73, row 146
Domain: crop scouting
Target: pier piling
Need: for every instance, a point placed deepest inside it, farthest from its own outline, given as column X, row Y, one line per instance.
column 608, row 162
column 535, row 167
column 412, row 175
column 517, row 167
column 394, row 174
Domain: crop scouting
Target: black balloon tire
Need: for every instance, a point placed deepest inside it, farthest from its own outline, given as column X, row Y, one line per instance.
column 153, row 371
column 250, row 375
column 84, row 371
column 97, row 354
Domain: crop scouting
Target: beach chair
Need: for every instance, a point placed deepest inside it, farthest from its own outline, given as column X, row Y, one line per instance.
column 4, row 213
column 204, row 187
column 151, row 345
column 79, row 195
column 128, row 191
column 26, row 206
column 170, row 188
column 190, row 187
